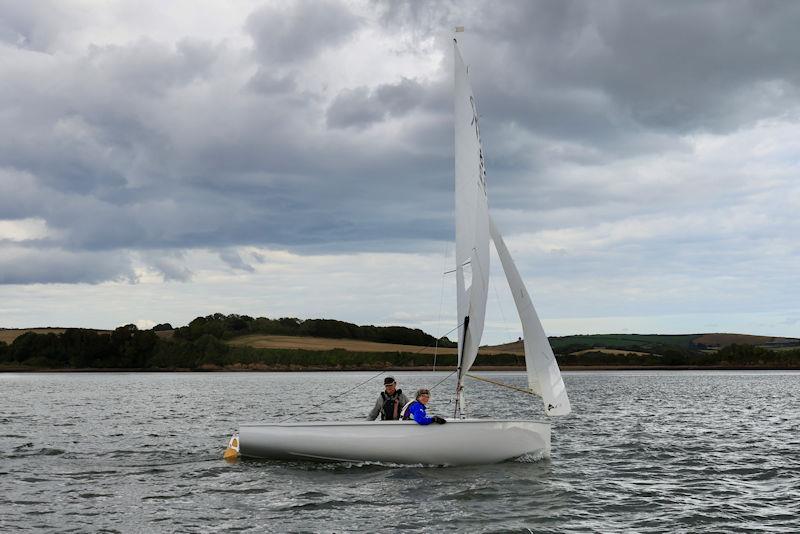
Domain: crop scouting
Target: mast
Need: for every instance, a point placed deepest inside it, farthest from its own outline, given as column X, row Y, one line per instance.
column 463, row 322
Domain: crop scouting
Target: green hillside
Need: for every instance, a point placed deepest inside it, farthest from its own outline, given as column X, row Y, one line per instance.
column 231, row 342
column 643, row 342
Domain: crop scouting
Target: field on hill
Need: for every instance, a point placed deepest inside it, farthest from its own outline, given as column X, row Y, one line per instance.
column 260, row 341
column 623, row 341
column 615, row 352
column 619, row 342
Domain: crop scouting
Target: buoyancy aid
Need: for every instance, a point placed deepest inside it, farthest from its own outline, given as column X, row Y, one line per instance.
column 417, row 412
column 405, row 413
column 391, row 406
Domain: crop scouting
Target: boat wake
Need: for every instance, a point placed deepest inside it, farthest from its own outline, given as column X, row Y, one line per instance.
column 335, row 466
column 532, row 457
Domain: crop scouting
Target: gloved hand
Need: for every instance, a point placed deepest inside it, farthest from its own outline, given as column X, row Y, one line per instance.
column 439, row 420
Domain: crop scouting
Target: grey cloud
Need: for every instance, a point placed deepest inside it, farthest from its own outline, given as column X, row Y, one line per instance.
column 56, row 266
column 169, row 264
column 155, row 146
column 35, row 25
column 20, row 194
column 234, row 260
column 401, row 97
column 421, row 19
column 354, row 107
column 100, row 124
column 296, row 30
column 680, row 66
column 267, row 82
column 148, row 68
column 361, row 106
column 674, row 67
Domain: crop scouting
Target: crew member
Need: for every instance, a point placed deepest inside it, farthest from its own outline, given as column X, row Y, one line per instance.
column 417, row 409
column 390, row 402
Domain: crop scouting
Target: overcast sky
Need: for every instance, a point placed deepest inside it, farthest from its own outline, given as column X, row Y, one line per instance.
column 164, row 160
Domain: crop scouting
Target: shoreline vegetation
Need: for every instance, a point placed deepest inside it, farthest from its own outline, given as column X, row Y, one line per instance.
column 296, row 369
column 239, row 343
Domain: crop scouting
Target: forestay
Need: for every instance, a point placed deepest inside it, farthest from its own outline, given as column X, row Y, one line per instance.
column 544, row 377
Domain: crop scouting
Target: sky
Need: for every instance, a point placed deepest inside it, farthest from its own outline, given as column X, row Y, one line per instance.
column 165, row 160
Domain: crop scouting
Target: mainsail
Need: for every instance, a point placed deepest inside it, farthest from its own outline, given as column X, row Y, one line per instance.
column 474, row 227
column 472, row 224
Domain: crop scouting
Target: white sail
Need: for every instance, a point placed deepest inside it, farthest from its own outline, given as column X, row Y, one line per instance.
column 472, row 222
column 544, row 376
column 464, row 441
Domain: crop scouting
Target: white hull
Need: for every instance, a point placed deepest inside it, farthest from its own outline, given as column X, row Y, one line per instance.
column 461, row 442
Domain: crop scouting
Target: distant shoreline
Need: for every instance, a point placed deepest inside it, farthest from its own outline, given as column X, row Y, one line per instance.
column 493, row 368
column 236, row 343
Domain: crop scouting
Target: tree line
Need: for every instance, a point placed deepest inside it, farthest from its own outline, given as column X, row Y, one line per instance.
column 128, row 347
column 229, row 326
column 733, row 356
column 203, row 345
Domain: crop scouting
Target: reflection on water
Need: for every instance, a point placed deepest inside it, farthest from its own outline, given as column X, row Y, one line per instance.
column 642, row 452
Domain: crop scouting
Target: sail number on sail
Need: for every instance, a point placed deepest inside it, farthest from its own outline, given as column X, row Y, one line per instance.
column 481, row 164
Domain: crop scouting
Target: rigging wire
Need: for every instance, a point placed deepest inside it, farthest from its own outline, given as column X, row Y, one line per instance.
column 441, row 303
column 496, row 294
column 496, row 383
column 484, row 277
column 334, row 397
column 362, row 383
column 443, row 379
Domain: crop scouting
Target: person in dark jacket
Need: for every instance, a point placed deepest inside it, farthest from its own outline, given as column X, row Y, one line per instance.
column 390, row 402
column 417, row 409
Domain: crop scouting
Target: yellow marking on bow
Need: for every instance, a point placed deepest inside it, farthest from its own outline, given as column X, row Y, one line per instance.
column 232, row 452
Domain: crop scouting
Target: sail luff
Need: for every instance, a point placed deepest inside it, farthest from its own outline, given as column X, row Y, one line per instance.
column 544, row 376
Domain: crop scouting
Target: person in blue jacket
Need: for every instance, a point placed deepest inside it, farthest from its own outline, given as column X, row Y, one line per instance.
column 417, row 409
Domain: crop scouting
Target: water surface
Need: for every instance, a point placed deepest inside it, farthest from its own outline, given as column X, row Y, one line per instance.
column 642, row 452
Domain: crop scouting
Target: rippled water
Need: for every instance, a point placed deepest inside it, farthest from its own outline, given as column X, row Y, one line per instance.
column 642, row 452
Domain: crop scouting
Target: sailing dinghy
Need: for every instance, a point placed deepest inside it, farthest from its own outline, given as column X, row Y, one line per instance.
column 462, row 441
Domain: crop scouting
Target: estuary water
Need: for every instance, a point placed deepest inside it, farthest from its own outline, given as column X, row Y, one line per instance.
column 642, row 452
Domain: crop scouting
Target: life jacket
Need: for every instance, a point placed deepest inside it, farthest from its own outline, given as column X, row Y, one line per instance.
column 391, row 406
column 405, row 413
